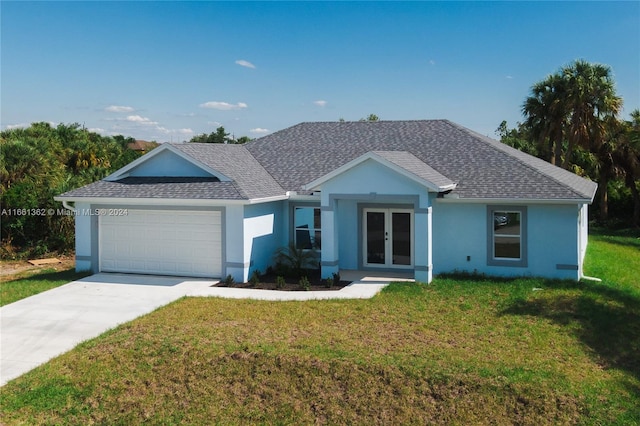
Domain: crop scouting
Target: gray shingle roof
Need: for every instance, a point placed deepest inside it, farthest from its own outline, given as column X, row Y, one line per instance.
column 235, row 161
column 414, row 165
column 481, row 167
column 160, row 187
column 435, row 150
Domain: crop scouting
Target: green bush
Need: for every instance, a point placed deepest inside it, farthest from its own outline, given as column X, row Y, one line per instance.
column 295, row 260
column 305, row 284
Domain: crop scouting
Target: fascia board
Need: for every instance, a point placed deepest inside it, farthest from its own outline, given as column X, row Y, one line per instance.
column 152, row 201
column 514, row 201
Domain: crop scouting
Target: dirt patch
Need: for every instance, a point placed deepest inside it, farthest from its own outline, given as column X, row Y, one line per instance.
column 12, row 269
column 268, row 282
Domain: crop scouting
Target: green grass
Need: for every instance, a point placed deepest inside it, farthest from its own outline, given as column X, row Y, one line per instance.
column 25, row 286
column 464, row 350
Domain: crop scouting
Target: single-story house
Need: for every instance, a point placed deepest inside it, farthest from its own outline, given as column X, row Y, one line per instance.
column 424, row 197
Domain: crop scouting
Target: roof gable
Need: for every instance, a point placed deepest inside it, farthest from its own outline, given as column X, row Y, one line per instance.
column 166, row 161
column 401, row 162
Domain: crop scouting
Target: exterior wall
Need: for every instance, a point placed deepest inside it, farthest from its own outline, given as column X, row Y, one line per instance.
column 263, row 234
column 168, row 163
column 233, row 263
column 370, row 183
column 460, row 241
column 86, row 239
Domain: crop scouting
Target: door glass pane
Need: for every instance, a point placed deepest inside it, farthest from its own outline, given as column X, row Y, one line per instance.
column 401, row 244
column 375, row 237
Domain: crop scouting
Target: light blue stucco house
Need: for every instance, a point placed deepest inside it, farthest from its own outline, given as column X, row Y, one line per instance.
column 425, row 197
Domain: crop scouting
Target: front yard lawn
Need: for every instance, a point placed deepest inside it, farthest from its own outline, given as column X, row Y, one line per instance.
column 35, row 282
column 464, row 350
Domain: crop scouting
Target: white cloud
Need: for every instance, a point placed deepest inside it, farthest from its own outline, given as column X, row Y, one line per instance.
column 320, row 103
column 510, row 77
column 432, row 62
column 119, row 108
column 214, row 123
column 17, row 126
column 259, row 130
column 141, row 120
column 96, row 129
column 245, row 64
column 223, row 106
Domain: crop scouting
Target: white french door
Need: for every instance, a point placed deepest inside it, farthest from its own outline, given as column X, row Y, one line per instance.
column 387, row 238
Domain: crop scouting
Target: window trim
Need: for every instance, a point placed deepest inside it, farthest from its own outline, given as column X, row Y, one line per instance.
column 522, row 262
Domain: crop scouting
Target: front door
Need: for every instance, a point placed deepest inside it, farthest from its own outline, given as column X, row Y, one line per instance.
column 387, row 238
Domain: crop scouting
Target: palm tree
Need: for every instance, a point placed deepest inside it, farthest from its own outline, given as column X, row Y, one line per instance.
column 627, row 156
column 546, row 114
column 590, row 101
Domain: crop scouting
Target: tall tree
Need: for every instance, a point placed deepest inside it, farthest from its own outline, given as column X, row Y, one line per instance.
column 627, row 156
column 573, row 110
column 591, row 100
column 546, row 116
column 219, row 136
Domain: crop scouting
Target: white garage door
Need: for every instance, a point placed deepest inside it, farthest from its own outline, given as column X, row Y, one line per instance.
column 162, row 242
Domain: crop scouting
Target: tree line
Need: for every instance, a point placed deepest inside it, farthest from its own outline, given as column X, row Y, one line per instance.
column 572, row 119
column 40, row 162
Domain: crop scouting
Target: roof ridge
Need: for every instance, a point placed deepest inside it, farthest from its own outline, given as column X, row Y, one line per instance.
column 505, row 149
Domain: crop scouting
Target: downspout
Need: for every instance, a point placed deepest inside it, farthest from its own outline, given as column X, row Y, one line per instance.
column 66, row 205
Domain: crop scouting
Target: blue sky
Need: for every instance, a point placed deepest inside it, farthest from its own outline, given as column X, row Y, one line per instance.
column 166, row 71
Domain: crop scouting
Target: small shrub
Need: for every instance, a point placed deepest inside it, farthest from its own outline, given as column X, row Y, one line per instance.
column 305, row 284
column 280, row 282
column 229, row 281
column 336, row 277
column 296, row 260
column 328, row 282
column 281, row 269
column 255, row 278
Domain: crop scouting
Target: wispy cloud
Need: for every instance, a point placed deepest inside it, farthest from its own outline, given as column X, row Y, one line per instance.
column 259, row 131
column 119, row 108
column 245, row 64
column 140, row 120
column 509, row 77
column 17, row 126
column 96, row 130
column 214, row 123
column 320, row 103
column 223, row 106
column 432, row 62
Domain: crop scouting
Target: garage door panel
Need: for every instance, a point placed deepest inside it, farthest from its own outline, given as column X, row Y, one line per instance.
column 162, row 242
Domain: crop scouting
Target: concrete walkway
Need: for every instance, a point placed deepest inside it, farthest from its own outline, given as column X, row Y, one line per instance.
column 41, row 327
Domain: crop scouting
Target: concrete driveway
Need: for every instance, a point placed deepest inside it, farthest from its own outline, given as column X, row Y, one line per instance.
column 41, row 327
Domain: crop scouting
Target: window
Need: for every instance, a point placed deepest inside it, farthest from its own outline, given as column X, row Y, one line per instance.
column 308, row 232
column 507, row 236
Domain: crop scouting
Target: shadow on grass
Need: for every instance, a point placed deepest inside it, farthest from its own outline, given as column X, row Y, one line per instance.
column 605, row 319
column 67, row 274
column 629, row 237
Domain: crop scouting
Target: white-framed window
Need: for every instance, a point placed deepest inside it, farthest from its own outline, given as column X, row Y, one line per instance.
column 307, row 228
column 506, row 236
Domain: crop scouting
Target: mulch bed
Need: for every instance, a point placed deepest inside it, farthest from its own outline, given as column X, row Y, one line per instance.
column 268, row 282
